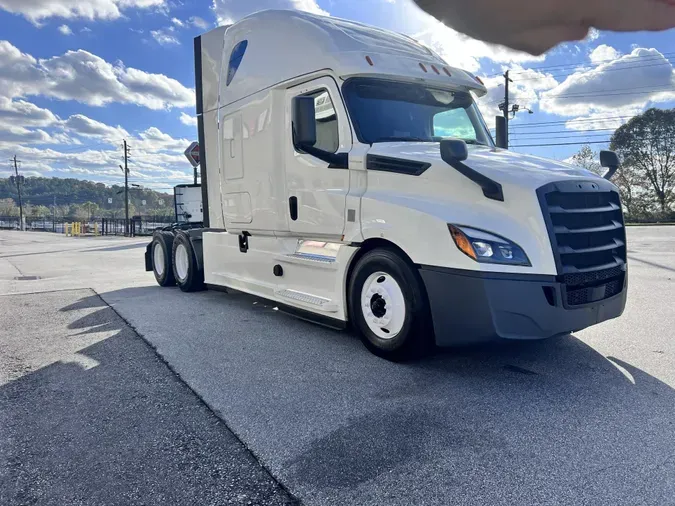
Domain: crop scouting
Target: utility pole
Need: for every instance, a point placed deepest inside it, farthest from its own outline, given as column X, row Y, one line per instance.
column 18, row 189
column 507, row 80
column 54, row 215
column 126, row 190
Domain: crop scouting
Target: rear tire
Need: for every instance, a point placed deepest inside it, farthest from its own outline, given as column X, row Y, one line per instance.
column 388, row 305
column 189, row 277
column 162, row 245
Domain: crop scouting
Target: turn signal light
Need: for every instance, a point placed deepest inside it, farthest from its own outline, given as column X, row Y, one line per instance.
column 462, row 242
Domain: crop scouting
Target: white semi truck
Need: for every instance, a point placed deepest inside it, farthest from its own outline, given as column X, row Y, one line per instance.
column 348, row 176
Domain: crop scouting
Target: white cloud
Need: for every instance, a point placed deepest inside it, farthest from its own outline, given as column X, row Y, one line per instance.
column 26, row 114
column 87, row 78
column 38, row 10
column 603, row 120
column 85, row 29
column 65, row 30
column 155, row 157
column 199, row 22
column 630, row 82
column 164, row 38
column 82, row 125
column 227, row 11
column 593, row 34
column 177, row 22
column 603, row 53
column 525, row 90
column 187, row 119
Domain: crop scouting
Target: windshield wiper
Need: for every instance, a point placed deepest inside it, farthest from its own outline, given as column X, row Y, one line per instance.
column 404, row 139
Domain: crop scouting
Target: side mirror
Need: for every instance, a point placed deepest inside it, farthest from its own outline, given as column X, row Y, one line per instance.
column 304, row 122
column 454, row 150
column 610, row 160
column 500, row 126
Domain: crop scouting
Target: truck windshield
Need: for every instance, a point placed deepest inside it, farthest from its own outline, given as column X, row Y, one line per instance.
column 385, row 111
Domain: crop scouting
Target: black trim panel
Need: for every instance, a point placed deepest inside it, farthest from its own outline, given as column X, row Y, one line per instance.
column 198, row 74
column 396, row 165
column 468, row 309
column 491, row 189
column 200, row 131
column 326, row 321
column 542, row 278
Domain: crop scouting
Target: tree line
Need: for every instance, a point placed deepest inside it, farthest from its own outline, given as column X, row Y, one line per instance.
column 80, row 200
column 646, row 176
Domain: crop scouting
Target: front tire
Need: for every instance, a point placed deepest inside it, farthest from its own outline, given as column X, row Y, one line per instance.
column 389, row 307
column 162, row 268
column 189, row 277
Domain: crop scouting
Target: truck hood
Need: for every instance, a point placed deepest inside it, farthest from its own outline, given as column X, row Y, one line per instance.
column 501, row 165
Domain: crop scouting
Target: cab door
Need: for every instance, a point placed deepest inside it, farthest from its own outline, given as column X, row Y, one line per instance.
column 317, row 192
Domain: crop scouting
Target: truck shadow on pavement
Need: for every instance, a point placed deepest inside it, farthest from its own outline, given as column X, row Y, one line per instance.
column 550, row 422
column 111, row 424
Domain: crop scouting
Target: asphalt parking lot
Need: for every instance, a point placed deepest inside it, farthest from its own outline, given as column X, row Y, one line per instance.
column 584, row 419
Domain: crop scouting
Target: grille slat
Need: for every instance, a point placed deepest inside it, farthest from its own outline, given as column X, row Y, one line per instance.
column 606, row 228
column 588, row 236
column 568, row 250
column 577, row 210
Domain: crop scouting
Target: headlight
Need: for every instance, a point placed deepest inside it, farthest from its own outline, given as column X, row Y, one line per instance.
column 486, row 247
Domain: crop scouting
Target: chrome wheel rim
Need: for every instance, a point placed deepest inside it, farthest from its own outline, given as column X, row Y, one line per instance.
column 158, row 259
column 182, row 262
column 383, row 305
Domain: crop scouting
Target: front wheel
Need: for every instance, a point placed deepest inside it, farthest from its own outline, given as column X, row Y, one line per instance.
column 389, row 306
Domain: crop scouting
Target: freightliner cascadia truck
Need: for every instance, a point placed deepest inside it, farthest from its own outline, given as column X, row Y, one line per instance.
column 349, row 177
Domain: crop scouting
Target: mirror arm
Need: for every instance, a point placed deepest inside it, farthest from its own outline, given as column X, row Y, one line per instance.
column 334, row 160
column 610, row 172
column 491, row 189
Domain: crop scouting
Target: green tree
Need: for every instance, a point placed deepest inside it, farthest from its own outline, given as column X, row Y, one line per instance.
column 588, row 159
column 8, row 208
column 40, row 211
column 646, row 145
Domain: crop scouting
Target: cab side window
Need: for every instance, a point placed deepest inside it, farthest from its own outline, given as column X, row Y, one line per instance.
column 327, row 133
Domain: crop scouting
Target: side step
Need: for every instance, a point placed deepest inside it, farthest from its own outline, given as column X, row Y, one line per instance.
column 314, row 261
column 314, row 301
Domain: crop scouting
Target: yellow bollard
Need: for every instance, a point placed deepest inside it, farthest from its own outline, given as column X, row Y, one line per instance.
column 96, row 228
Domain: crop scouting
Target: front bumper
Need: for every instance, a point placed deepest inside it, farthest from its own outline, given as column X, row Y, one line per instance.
column 471, row 307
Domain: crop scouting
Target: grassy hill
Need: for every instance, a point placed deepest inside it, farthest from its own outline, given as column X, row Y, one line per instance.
column 80, row 199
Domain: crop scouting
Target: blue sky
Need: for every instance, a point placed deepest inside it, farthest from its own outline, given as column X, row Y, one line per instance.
column 76, row 78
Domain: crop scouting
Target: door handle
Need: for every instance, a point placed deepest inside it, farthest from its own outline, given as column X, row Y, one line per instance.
column 293, row 207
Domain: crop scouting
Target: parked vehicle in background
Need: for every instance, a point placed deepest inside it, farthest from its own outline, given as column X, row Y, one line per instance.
column 348, row 176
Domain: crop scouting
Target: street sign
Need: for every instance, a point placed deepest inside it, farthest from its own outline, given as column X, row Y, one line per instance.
column 143, row 202
column 160, row 202
column 109, row 200
column 192, row 154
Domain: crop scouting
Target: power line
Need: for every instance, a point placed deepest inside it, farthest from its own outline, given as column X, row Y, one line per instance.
column 581, row 69
column 603, row 93
column 524, row 136
column 566, row 131
column 574, row 121
column 598, row 63
column 558, row 144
